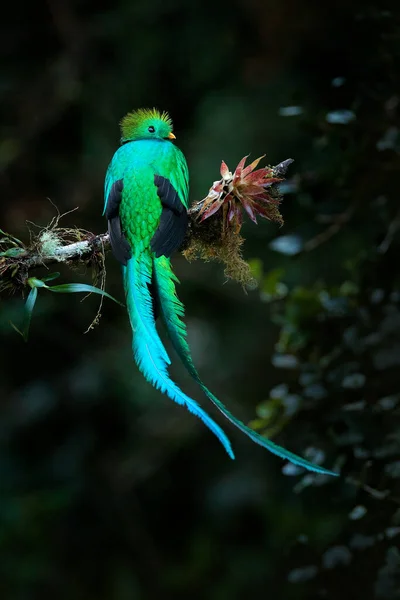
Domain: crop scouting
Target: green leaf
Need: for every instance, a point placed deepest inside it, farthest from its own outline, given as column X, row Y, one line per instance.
column 72, row 288
column 15, row 240
column 13, row 252
column 34, row 282
column 16, row 329
column 29, row 306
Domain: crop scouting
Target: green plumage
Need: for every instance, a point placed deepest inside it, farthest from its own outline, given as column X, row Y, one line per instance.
column 146, row 198
column 137, row 163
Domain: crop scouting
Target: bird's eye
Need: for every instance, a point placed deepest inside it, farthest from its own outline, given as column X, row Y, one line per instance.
column 151, row 129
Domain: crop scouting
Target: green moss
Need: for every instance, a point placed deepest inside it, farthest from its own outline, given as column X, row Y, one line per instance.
column 209, row 242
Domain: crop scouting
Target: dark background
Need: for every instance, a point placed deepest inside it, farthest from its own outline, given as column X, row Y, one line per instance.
column 109, row 491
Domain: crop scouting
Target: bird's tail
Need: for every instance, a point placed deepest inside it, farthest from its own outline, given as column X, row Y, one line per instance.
column 171, row 311
column 149, row 352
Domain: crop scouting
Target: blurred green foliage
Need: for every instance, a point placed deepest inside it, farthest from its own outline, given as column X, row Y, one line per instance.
column 110, row 492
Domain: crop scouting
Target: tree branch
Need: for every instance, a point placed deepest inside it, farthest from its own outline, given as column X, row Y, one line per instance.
column 76, row 251
column 213, row 232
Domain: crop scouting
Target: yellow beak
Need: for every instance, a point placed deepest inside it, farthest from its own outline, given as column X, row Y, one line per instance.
column 171, row 136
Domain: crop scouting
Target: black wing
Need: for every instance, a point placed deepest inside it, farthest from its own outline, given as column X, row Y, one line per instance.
column 173, row 224
column 119, row 243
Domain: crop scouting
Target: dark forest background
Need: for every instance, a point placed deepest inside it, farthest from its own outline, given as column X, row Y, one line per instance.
column 109, row 491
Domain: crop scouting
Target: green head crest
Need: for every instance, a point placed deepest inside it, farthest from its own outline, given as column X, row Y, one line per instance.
column 146, row 124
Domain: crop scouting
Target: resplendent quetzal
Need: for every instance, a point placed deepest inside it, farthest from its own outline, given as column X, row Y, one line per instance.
column 146, row 201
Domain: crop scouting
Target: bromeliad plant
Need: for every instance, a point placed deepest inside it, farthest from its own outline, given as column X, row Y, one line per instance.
column 245, row 188
column 214, row 232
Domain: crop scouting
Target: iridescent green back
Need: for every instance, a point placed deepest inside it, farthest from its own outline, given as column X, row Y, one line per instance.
column 137, row 163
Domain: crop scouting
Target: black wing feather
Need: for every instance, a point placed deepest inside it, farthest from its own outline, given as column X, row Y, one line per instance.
column 173, row 224
column 119, row 243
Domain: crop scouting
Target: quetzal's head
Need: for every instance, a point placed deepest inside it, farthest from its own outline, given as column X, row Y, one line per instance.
column 146, row 124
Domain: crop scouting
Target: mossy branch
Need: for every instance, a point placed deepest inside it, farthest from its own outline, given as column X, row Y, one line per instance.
column 213, row 233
